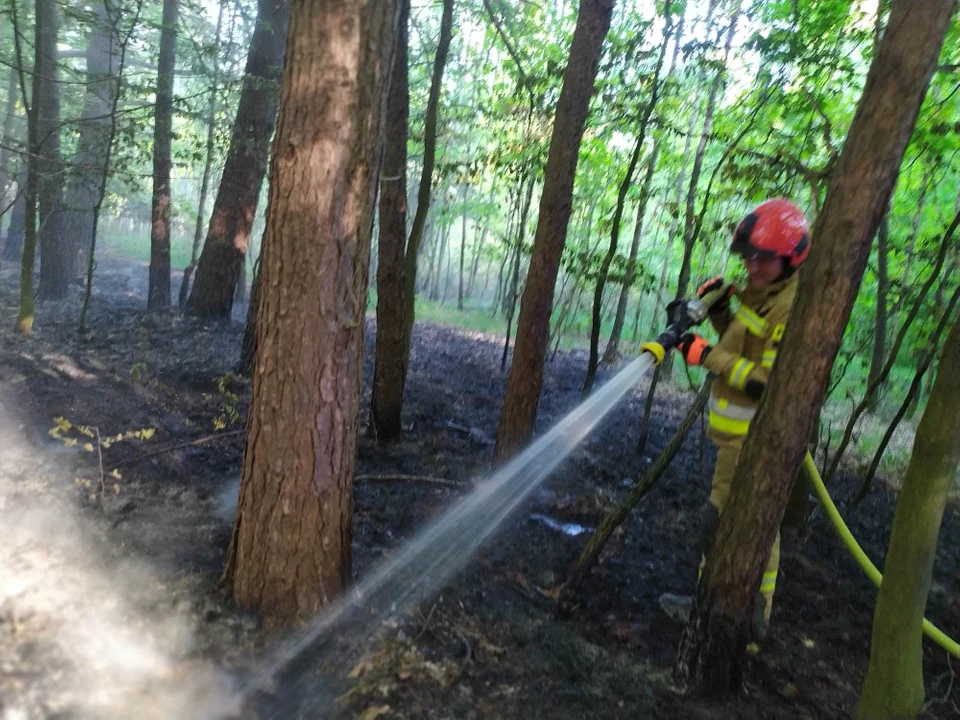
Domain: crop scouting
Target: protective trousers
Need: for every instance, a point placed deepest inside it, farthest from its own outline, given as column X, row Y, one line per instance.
column 728, row 453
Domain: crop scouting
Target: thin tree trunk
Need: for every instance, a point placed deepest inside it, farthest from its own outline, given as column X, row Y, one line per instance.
column 912, row 246
column 231, row 221
column 290, row 552
column 689, row 234
column 248, row 347
column 894, row 684
column 510, row 299
column 910, row 399
column 880, row 318
column 945, row 244
column 25, row 316
column 7, row 175
column 614, row 519
column 713, row 645
column 207, row 165
column 55, row 261
column 85, row 178
column 438, row 281
column 612, row 352
column 158, row 296
column 463, row 246
column 107, row 155
column 533, row 329
column 13, row 244
column 389, row 373
column 426, row 176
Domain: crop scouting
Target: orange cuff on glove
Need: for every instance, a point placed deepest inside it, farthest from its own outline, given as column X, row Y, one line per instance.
column 694, row 349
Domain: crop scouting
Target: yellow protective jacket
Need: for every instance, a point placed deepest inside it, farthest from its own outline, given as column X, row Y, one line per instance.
column 742, row 359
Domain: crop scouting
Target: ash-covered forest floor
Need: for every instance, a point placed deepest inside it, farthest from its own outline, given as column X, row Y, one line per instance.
column 108, row 601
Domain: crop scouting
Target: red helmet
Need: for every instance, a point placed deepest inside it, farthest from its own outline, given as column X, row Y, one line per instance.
column 773, row 228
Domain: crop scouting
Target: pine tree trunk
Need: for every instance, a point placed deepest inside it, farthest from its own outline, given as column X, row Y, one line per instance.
column 207, row 166
column 879, row 353
column 158, row 295
column 86, row 175
column 426, row 177
column 713, row 645
column 612, row 351
column 533, row 329
column 55, row 261
column 389, row 374
column 894, row 684
column 248, row 347
column 235, row 208
column 290, row 552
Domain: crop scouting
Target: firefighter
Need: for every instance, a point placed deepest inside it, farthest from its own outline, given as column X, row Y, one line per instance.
column 772, row 241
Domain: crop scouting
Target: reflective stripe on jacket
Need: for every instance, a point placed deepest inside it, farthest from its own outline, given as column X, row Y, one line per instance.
column 745, row 354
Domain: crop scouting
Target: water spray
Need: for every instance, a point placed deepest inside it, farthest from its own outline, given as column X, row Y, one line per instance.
column 420, row 568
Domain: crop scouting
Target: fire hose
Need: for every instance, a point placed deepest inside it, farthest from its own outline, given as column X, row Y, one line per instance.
column 684, row 314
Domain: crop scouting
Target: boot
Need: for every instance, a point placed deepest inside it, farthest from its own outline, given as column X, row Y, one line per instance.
column 677, row 606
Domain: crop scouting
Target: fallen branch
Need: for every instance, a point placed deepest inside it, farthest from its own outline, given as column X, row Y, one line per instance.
column 588, row 558
column 412, row 479
column 179, row 446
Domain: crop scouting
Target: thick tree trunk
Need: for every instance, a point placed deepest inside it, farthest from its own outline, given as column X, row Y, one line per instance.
column 101, row 87
column 533, row 329
column 158, row 295
column 894, row 684
column 879, row 353
column 713, row 645
column 612, row 351
column 207, row 166
column 426, row 177
column 235, row 208
column 290, row 552
column 55, row 261
column 389, row 374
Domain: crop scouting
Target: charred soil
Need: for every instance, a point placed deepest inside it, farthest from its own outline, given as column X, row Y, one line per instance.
column 490, row 644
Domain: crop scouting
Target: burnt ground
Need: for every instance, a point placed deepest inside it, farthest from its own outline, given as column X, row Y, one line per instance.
column 143, row 557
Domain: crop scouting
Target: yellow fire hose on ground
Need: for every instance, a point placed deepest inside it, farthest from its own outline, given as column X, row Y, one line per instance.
column 929, row 629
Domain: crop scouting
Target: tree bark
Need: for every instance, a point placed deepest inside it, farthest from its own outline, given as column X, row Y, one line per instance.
column 248, row 346
column 158, row 295
column 55, row 261
column 389, row 374
column 290, row 551
column 426, row 177
column 894, row 684
column 713, row 645
column 612, row 351
column 880, row 318
column 207, row 165
column 101, row 87
column 533, row 329
column 234, row 210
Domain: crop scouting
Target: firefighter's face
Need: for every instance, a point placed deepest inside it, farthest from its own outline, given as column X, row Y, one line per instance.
column 763, row 271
